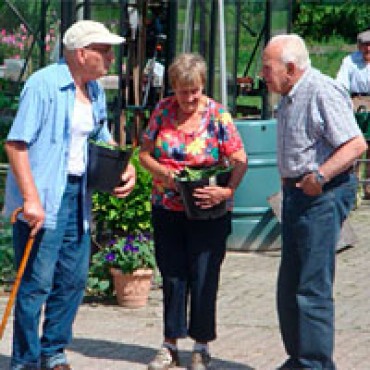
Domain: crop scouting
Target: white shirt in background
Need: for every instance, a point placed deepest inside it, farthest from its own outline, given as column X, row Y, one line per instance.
column 354, row 74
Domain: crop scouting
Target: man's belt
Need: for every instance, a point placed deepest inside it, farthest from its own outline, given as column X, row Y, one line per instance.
column 356, row 94
column 293, row 181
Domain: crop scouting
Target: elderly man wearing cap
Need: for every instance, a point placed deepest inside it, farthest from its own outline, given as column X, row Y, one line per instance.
column 60, row 106
column 354, row 75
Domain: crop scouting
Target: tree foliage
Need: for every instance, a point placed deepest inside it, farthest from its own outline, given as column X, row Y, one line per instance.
column 320, row 20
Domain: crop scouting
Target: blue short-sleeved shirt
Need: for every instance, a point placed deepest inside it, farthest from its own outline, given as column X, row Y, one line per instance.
column 354, row 73
column 43, row 122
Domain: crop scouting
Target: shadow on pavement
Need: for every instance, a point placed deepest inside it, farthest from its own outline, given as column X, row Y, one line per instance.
column 4, row 362
column 129, row 353
column 137, row 354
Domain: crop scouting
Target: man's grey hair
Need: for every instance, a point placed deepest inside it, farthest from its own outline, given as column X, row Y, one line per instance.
column 294, row 50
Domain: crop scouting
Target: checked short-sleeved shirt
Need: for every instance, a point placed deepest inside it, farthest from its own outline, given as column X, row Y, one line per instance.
column 216, row 138
column 314, row 119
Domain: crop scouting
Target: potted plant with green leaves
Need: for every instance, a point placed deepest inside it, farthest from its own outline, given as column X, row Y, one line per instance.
column 115, row 219
column 192, row 178
column 106, row 164
column 131, row 262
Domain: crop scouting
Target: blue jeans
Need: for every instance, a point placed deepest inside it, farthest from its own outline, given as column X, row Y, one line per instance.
column 189, row 255
column 55, row 277
column 310, row 230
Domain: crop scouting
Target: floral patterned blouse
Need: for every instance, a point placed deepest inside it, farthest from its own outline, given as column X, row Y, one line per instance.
column 216, row 138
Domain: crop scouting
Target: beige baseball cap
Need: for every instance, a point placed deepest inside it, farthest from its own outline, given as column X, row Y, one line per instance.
column 86, row 32
column 364, row 37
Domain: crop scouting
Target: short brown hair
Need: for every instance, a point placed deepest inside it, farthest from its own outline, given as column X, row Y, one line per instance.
column 188, row 69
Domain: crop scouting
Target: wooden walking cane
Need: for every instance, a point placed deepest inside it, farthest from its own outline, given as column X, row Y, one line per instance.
column 19, row 275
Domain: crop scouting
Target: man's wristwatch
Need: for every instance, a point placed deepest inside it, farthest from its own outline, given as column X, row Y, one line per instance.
column 319, row 177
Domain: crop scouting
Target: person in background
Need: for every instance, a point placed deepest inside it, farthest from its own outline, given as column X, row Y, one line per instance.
column 60, row 106
column 354, row 75
column 189, row 129
column 318, row 141
column 354, row 72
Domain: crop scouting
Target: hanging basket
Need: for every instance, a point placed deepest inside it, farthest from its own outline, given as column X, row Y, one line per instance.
column 132, row 290
column 105, row 167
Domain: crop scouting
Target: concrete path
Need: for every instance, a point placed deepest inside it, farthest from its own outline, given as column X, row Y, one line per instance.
column 108, row 337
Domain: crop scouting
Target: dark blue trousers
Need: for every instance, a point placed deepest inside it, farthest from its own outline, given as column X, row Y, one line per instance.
column 311, row 229
column 55, row 279
column 189, row 255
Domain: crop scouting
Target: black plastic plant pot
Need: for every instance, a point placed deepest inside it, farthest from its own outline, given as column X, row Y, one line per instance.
column 105, row 167
column 193, row 211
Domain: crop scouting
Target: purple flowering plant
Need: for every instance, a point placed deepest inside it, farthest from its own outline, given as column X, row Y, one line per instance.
column 130, row 253
column 127, row 253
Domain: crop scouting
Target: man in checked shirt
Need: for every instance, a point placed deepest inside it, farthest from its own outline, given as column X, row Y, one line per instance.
column 318, row 141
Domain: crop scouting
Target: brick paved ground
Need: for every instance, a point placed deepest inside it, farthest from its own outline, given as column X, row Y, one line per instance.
column 114, row 338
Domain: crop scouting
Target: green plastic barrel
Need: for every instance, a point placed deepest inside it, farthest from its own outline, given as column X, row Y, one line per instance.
column 363, row 121
column 254, row 225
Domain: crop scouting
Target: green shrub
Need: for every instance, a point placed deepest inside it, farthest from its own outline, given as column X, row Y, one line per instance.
column 7, row 270
column 115, row 217
column 130, row 215
column 318, row 21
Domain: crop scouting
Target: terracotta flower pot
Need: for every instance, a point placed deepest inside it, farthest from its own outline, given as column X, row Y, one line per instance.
column 132, row 290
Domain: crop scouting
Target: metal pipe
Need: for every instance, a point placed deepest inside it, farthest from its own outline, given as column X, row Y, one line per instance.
column 123, row 22
column 223, row 77
column 236, row 55
column 202, row 28
column 87, row 9
column 266, row 97
column 43, row 12
column 172, row 36
column 290, row 16
column 68, row 16
column 189, row 20
column 254, row 51
column 212, row 51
